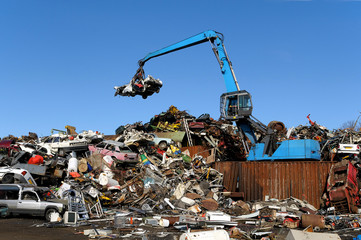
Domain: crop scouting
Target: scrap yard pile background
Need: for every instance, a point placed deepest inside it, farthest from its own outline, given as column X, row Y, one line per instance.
column 177, row 167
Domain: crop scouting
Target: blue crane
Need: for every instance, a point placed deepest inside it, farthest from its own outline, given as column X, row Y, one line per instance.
column 236, row 105
column 216, row 40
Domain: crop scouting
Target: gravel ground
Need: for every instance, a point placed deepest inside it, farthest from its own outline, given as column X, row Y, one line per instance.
column 30, row 228
column 25, row 228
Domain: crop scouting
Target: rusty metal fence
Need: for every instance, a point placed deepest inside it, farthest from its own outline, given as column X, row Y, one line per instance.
column 304, row 180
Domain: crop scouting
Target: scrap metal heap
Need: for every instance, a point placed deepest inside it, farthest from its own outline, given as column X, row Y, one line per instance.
column 162, row 174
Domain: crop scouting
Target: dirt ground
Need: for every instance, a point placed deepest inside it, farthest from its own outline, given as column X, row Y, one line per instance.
column 31, row 228
column 20, row 228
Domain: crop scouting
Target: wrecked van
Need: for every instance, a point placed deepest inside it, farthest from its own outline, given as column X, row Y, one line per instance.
column 30, row 200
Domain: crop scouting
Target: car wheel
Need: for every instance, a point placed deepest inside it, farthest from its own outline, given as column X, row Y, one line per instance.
column 163, row 145
column 8, row 178
column 49, row 212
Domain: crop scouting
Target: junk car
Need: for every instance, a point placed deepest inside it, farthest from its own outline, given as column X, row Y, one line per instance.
column 30, row 200
column 114, row 149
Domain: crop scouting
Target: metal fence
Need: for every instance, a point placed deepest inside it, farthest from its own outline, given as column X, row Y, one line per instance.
column 305, row 180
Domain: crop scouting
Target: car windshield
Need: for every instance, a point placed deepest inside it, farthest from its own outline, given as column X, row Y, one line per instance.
column 114, row 146
column 126, row 149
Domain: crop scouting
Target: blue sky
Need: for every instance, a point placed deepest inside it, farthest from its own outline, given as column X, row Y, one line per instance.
column 59, row 60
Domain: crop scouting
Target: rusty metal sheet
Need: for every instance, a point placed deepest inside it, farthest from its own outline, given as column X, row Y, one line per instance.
column 210, row 204
column 303, row 180
column 199, row 150
column 230, row 175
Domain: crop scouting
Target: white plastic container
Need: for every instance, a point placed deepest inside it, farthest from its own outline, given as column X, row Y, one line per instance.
column 103, row 179
column 106, row 169
column 73, row 165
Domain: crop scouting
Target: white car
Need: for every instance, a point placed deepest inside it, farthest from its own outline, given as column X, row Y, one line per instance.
column 62, row 144
column 16, row 175
column 32, row 148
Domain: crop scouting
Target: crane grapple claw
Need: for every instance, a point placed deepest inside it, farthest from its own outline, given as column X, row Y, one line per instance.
column 144, row 87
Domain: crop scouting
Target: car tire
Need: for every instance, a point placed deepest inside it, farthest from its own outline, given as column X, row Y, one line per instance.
column 49, row 212
column 8, row 178
column 163, row 145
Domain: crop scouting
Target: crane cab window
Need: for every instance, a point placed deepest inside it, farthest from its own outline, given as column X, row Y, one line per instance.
column 239, row 102
column 232, row 103
column 244, row 102
column 236, row 105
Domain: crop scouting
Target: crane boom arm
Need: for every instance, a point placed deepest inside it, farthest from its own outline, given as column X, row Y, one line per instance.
column 216, row 39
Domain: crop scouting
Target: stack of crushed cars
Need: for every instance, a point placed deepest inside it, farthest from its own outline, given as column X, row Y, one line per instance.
column 47, row 158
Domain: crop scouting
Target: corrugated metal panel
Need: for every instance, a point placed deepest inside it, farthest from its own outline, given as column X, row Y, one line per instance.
column 303, row 180
column 230, row 175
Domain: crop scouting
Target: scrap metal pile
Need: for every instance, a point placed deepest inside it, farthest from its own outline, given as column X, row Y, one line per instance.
column 161, row 174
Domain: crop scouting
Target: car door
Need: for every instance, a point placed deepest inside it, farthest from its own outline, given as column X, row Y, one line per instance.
column 11, row 197
column 107, row 150
column 29, row 203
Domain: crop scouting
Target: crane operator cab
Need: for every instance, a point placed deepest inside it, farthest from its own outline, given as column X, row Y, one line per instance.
column 235, row 105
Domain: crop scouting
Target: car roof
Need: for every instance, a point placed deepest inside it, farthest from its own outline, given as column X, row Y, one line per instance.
column 115, row 143
column 23, row 186
column 8, row 187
